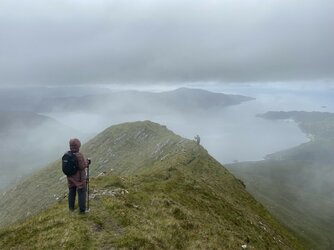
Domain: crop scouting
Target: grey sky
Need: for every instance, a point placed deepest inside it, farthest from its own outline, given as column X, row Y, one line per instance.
column 146, row 41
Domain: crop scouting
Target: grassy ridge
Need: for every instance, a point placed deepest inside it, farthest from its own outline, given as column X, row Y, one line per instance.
column 186, row 201
column 165, row 192
column 122, row 148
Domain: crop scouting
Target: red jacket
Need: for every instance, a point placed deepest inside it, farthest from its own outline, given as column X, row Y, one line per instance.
column 80, row 177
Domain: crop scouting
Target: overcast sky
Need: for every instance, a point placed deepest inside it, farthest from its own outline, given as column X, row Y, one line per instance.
column 149, row 41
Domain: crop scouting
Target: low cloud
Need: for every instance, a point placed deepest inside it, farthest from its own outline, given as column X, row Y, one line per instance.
column 85, row 42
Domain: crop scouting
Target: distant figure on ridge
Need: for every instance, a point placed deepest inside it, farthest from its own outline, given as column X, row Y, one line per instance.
column 74, row 166
column 197, row 139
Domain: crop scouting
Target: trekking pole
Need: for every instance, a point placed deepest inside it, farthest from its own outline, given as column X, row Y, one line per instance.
column 87, row 183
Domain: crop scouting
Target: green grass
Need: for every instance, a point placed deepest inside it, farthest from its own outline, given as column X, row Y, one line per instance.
column 296, row 184
column 170, row 208
column 174, row 196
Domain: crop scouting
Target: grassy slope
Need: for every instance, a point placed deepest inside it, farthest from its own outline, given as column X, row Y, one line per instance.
column 296, row 185
column 123, row 148
column 164, row 192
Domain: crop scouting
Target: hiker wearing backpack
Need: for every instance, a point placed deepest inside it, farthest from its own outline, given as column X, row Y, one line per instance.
column 74, row 166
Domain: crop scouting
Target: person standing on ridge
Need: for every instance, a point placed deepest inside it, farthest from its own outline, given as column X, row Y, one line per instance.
column 197, row 139
column 77, row 179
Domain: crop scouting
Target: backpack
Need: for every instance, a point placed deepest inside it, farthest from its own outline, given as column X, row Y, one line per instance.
column 69, row 163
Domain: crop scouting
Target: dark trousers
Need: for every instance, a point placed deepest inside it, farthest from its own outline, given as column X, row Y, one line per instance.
column 81, row 198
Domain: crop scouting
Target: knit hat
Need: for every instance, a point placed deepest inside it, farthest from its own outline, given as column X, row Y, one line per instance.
column 75, row 145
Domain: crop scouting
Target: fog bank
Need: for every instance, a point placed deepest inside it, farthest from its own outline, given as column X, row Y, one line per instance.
column 230, row 134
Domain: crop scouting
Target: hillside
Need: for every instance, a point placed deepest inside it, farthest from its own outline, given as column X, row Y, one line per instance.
column 296, row 185
column 164, row 192
column 27, row 143
column 181, row 100
column 31, row 99
column 96, row 99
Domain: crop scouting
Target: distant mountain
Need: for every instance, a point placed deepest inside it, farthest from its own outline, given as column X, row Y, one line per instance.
column 180, row 100
column 163, row 192
column 31, row 98
column 189, row 100
column 296, row 185
column 91, row 99
column 29, row 141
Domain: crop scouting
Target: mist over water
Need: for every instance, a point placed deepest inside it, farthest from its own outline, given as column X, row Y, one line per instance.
column 246, row 137
column 233, row 133
column 236, row 134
